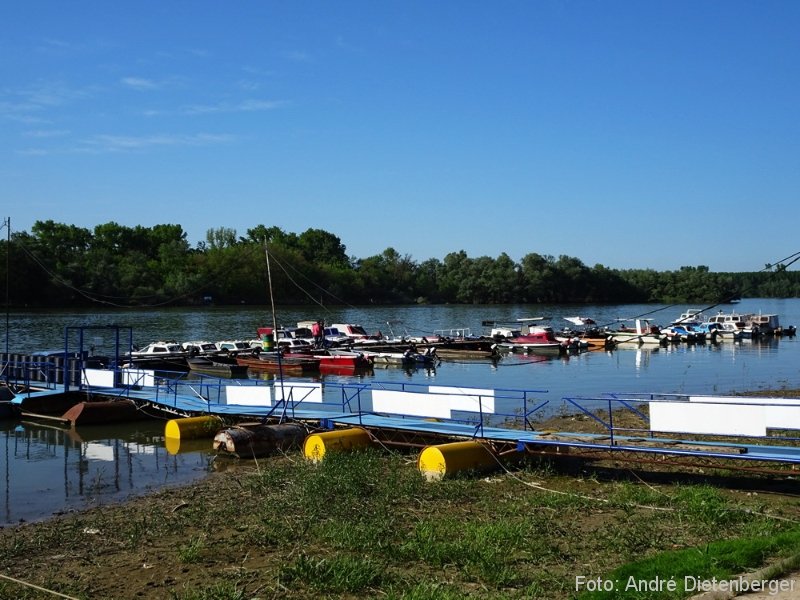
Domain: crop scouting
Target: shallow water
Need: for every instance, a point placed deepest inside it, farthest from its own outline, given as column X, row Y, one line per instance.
column 47, row 470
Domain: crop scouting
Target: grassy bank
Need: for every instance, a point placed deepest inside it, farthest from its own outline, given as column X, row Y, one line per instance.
column 367, row 525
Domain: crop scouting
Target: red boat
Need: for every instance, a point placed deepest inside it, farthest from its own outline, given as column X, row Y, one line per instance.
column 339, row 362
column 538, row 339
column 344, row 363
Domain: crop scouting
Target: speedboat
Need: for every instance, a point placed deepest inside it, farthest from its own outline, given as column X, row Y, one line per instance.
column 679, row 333
column 740, row 321
column 408, row 358
column 643, row 334
column 160, row 355
column 538, row 339
column 693, row 316
column 718, row 332
column 219, row 367
column 199, row 348
column 234, row 347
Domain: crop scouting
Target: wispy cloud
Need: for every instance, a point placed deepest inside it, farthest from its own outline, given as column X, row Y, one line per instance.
column 45, row 133
column 33, row 152
column 121, row 143
column 139, row 83
column 298, row 56
column 248, row 85
column 251, row 105
column 40, row 96
column 49, row 45
column 24, row 119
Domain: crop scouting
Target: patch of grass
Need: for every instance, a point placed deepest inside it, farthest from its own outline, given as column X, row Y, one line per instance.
column 628, row 495
column 217, row 591
column 336, row 574
column 190, row 553
column 707, row 506
column 722, row 560
column 425, row 590
column 487, row 550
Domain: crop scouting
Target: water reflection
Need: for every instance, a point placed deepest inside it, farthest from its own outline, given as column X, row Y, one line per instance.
column 50, row 470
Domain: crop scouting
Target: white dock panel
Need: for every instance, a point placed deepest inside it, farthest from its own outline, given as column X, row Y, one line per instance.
column 249, row 395
column 138, row 377
column 98, row 378
column 299, row 392
column 468, row 399
column 780, row 413
column 708, row 418
column 410, row 403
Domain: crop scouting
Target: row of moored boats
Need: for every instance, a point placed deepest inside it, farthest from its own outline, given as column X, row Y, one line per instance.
column 344, row 347
column 690, row 327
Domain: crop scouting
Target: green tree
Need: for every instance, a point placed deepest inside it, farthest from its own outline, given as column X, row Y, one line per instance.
column 320, row 247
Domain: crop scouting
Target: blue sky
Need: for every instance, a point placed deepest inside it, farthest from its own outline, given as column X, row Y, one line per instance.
column 625, row 133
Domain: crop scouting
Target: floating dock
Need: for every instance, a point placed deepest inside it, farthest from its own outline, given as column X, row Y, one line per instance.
column 762, row 430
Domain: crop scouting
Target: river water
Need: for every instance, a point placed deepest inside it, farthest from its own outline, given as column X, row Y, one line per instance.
column 47, row 470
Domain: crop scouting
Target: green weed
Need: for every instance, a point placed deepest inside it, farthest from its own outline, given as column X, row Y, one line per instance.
column 190, row 553
column 337, row 574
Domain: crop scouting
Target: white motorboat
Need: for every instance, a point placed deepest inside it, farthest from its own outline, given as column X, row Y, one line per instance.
column 643, row 334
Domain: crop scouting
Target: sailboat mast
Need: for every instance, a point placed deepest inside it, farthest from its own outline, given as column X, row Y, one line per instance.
column 271, row 299
column 8, row 279
column 275, row 331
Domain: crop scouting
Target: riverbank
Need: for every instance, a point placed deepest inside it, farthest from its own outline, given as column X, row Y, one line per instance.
column 366, row 525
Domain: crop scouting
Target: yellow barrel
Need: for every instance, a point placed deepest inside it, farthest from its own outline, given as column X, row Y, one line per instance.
column 436, row 462
column 192, row 427
column 317, row 444
column 180, row 446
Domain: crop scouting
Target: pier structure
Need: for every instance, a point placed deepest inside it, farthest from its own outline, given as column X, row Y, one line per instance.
column 506, row 422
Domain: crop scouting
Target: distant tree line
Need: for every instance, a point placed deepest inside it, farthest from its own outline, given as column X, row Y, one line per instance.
column 58, row 265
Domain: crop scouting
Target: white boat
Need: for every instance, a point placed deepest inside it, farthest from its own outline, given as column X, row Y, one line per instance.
column 407, row 358
column 295, row 345
column 200, row 348
column 742, row 322
column 160, row 349
column 333, row 337
column 692, row 316
column 728, row 332
column 765, row 324
column 234, row 347
column 643, row 334
column 160, row 355
column 683, row 333
column 356, row 334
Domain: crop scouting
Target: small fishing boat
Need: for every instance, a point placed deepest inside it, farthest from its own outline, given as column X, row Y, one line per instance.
column 403, row 359
column 587, row 333
column 341, row 362
column 643, row 334
column 200, row 348
column 272, row 361
column 217, row 367
column 164, row 356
